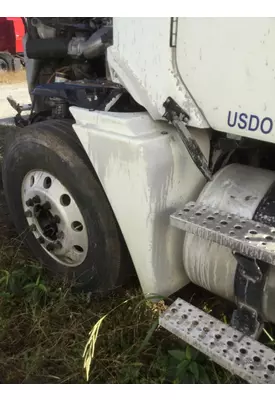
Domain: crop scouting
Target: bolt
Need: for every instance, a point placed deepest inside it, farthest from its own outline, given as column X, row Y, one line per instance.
column 33, row 227
column 28, row 213
column 36, row 199
column 41, row 240
column 29, row 203
column 57, row 219
column 47, row 205
column 50, row 247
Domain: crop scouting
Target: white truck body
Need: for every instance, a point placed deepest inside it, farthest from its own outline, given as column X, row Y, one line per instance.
column 221, row 70
column 212, row 72
column 188, row 171
column 146, row 174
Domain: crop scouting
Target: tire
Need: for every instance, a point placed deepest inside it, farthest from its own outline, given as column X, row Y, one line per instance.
column 6, row 62
column 52, row 146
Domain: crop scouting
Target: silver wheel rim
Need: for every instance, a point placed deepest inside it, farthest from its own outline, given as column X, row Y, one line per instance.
column 54, row 218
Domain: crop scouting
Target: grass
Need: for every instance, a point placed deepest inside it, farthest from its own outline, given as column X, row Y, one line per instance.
column 13, row 77
column 44, row 329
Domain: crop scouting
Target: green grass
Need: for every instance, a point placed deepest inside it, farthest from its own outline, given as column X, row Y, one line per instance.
column 44, row 329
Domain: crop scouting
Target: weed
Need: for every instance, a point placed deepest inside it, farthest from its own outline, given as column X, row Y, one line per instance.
column 44, row 329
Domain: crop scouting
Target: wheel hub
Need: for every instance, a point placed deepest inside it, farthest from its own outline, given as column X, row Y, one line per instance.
column 54, row 218
column 46, row 221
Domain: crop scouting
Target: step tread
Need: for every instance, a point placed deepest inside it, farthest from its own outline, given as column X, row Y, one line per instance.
column 239, row 354
column 250, row 238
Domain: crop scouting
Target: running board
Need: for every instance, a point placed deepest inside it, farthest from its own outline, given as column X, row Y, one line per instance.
column 239, row 354
column 247, row 237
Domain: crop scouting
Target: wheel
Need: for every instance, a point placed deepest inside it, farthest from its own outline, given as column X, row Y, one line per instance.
column 59, row 206
column 5, row 62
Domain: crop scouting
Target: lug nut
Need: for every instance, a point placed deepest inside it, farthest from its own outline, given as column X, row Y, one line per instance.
column 57, row 219
column 29, row 203
column 47, row 205
column 60, row 235
column 50, row 247
column 33, row 228
column 28, row 213
column 41, row 240
column 36, row 199
column 58, row 245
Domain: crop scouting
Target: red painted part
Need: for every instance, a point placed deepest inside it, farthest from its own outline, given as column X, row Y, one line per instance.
column 12, row 31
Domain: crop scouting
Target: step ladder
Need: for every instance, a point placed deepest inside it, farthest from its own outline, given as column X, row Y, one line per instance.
column 238, row 353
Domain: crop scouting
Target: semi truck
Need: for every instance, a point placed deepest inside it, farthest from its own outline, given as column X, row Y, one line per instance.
column 12, row 30
column 150, row 147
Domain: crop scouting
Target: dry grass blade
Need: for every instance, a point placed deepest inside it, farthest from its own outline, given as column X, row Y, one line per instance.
column 90, row 346
column 89, row 350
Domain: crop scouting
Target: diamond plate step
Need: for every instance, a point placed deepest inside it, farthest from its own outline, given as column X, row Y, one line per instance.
column 239, row 354
column 250, row 238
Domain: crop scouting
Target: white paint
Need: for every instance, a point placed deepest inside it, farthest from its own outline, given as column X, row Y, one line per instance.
column 228, row 64
column 146, row 176
column 142, row 60
column 218, row 65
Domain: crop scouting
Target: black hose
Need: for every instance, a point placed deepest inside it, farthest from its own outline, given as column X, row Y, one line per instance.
column 41, row 49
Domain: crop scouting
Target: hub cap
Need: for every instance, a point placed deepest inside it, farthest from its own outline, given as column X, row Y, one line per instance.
column 54, row 218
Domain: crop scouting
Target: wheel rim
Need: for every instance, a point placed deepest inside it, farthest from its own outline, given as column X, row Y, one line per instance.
column 3, row 66
column 54, row 218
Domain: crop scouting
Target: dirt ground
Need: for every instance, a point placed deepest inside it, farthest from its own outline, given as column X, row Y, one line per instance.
column 13, row 77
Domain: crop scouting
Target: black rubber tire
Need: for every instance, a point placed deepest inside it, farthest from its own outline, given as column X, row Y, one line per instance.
column 7, row 59
column 54, row 147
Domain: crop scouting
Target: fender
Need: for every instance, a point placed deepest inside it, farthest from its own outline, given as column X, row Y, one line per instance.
column 146, row 174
